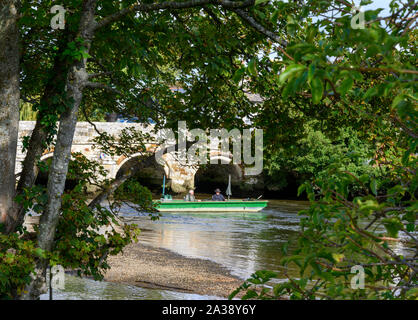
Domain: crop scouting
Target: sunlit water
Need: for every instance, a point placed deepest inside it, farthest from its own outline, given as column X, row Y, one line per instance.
column 242, row 242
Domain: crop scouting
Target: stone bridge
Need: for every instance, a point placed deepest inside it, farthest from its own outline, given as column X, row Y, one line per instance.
column 179, row 177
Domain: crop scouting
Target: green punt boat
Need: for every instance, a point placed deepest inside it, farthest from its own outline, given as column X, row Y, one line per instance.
column 211, row 206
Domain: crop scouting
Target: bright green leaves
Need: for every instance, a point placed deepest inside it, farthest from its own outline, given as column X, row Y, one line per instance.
column 399, row 99
column 76, row 50
column 40, row 253
column 340, row 77
column 291, row 72
column 252, row 67
column 311, row 72
column 296, row 76
column 338, row 257
column 262, row 276
column 405, row 105
column 368, row 206
column 257, row 282
column 17, row 261
column 141, row 196
column 393, row 226
column 257, row 2
column 412, row 294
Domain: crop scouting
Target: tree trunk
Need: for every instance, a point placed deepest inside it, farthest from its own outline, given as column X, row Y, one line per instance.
column 37, row 143
column 9, row 104
column 76, row 80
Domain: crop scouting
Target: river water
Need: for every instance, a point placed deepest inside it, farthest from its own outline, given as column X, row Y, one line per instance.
column 242, row 242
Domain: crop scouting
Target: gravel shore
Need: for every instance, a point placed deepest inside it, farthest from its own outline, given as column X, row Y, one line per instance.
column 149, row 267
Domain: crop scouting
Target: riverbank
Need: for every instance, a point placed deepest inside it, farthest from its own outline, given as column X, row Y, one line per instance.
column 157, row 268
column 150, row 267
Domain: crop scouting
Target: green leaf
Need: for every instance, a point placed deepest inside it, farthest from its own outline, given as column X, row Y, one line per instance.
column 317, row 90
column 345, row 86
column 398, row 99
column 234, row 293
column 252, row 68
column 370, row 93
column 291, row 71
column 249, row 295
column 311, row 72
column 412, row 293
column 373, row 186
column 301, row 189
column 392, row 226
column 238, row 75
column 40, row 253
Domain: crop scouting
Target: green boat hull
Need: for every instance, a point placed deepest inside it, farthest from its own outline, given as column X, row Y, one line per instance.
column 210, row 206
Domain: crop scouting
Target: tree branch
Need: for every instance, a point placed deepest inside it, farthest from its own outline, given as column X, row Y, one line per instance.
column 271, row 35
column 112, row 187
column 174, row 5
column 379, row 70
column 99, row 85
column 100, row 74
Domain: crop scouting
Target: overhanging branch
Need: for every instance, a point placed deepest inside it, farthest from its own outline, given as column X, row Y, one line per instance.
column 174, row 5
column 257, row 26
column 99, row 85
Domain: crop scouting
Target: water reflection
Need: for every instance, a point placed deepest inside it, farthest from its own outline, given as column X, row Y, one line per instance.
column 243, row 242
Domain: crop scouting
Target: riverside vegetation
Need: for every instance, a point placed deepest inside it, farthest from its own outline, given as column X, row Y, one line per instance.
column 338, row 114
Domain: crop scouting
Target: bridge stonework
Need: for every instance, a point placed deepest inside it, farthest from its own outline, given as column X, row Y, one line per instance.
column 180, row 177
column 83, row 143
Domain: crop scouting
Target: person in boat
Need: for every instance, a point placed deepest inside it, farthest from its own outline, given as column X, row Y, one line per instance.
column 190, row 196
column 218, row 196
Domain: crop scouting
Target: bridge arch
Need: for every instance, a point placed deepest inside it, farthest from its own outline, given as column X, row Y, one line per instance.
column 211, row 176
column 122, row 160
column 42, row 177
column 149, row 173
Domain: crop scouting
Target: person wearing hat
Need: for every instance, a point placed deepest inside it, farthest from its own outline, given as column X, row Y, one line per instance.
column 218, row 196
